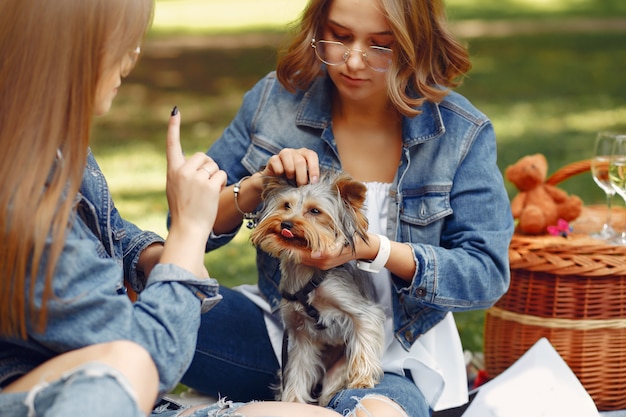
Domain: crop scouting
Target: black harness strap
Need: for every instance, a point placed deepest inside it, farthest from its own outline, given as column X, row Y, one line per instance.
column 301, row 297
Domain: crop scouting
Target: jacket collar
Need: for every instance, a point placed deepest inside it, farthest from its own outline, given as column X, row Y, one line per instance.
column 314, row 111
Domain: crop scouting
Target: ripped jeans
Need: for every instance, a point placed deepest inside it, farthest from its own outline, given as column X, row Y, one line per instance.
column 241, row 365
column 392, row 390
column 395, row 387
column 92, row 389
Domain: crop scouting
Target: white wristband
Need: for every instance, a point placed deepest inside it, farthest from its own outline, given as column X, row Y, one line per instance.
column 384, row 250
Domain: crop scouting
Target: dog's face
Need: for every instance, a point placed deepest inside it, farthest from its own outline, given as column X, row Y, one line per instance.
column 311, row 217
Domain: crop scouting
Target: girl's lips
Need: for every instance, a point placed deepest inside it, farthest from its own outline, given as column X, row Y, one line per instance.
column 353, row 81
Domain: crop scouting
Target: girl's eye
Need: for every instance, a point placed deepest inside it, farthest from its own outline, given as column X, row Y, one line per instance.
column 340, row 38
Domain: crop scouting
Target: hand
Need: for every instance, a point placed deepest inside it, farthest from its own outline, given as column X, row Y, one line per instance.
column 334, row 255
column 193, row 188
column 299, row 164
column 193, row 185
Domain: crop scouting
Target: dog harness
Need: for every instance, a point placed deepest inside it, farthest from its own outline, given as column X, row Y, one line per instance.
column 302, row 296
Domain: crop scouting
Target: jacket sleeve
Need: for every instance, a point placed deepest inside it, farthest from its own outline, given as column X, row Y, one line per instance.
column 88, row 307
column 135, row 241
column 469, row 269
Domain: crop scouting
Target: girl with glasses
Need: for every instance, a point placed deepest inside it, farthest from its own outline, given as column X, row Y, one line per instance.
column 365, row 86
column 72, row 342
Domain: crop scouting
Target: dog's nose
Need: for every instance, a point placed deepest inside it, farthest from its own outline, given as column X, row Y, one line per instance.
column 286, row 225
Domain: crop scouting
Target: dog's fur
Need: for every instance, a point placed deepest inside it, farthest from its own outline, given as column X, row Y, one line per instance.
column 346, row 320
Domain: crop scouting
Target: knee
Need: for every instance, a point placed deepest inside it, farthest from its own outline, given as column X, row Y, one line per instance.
column 136, row 364
column 377, row 405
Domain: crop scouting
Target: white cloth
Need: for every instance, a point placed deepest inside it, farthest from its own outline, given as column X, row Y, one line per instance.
column 435, row 360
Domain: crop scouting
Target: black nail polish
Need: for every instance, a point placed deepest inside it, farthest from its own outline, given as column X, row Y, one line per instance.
column 175, row 111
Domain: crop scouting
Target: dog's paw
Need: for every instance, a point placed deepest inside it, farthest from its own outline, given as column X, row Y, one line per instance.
column 365, row 376
column 294, row 397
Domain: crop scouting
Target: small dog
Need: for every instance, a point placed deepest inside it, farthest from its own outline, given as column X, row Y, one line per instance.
column 333, row 327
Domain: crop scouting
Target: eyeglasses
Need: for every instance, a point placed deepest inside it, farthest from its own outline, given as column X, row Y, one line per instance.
column 129, row 61
column 377, row 58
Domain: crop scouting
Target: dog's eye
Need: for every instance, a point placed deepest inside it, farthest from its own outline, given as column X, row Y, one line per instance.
column 287, row 206
column 315, row 211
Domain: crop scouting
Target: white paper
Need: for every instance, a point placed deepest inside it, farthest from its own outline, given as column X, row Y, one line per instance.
column 539, row 384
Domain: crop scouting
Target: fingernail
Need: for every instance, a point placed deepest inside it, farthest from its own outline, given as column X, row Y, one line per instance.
column 316, row 255
column 314, row 179
column 175, row 111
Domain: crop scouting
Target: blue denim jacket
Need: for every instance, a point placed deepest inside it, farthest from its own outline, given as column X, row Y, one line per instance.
column 448, row 200
column 90, row 304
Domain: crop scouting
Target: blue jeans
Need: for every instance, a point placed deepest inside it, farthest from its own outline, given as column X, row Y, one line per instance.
column 93, row 389
column 234, row 359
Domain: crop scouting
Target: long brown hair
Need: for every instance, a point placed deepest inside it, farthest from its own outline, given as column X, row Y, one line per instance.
column 427, row 61
column 53, row 54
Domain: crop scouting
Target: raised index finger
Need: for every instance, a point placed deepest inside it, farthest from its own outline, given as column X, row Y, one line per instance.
column 174, row 151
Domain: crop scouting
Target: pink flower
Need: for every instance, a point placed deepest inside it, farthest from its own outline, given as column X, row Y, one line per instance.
column 562, row 228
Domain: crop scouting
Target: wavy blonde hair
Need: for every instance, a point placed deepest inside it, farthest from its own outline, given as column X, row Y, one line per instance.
column 53, row 55
column 427, row 61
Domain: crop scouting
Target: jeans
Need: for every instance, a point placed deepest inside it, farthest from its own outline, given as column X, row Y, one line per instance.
column 94, row 390
column 234, row 359
column 221, row 408
column 396, row 387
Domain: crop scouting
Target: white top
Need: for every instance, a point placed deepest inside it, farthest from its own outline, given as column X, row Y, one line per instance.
column 436, row 358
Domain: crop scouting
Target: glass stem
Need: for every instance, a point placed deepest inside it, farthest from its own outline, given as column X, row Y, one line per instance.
column 609, row 200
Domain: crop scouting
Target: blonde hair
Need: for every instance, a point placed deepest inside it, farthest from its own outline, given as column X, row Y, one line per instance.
column 53, row 54
column 427, row 62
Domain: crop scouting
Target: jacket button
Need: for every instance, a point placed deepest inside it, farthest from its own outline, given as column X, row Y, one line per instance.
column 408, row 336
column 421, row 292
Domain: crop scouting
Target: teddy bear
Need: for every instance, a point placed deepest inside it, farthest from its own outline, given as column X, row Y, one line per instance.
column 539, row 205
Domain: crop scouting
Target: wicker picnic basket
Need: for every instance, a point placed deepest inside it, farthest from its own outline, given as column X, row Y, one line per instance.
column 573, row 292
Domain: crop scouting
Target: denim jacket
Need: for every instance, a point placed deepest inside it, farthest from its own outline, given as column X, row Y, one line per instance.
column 448, row 200
column 90, row 304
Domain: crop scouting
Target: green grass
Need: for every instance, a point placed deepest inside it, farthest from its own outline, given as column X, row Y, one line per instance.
column 545, row 92
column 233, row 16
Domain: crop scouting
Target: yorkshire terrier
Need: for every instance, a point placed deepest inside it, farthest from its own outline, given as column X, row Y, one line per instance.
column 334, row 328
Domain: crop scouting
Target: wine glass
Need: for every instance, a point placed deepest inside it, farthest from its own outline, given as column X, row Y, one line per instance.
column 617, row 174
column 600, row 172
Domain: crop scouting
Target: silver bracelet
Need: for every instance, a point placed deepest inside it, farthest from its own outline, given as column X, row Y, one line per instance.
column 250, row 217
column 384, row 250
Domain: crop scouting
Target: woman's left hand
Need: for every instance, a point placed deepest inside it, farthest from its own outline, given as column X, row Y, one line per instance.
column 338, row 254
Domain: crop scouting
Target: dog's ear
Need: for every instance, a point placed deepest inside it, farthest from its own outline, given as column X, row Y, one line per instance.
column 273, row 185
column 351, row 191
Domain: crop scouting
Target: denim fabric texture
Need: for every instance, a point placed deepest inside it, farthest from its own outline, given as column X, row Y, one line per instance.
column 395, row 387
column 219, row 408
column 234, row 356
column 448, row 199
column 94, row 387
column 90, row 303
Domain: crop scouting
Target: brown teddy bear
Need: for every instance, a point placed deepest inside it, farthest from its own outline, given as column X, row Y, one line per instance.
column 539, row 205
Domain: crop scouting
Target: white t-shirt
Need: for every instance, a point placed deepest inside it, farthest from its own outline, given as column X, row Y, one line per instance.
column 435, row 360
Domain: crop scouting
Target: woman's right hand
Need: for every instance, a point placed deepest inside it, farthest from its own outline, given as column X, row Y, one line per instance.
column 299, row 164
column 193, row 188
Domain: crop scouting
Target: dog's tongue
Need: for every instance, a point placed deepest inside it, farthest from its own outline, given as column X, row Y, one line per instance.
column 286, row 233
